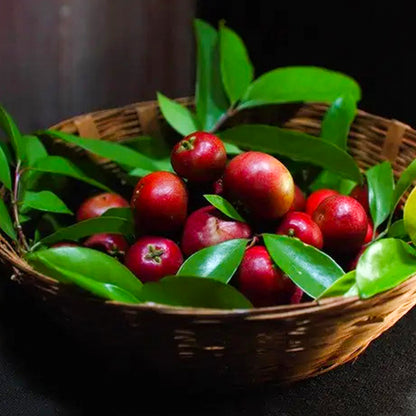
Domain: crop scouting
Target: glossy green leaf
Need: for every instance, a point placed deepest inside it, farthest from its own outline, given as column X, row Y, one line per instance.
column 7, row 152
column 8, row 125
column 232, row 149
column 125, row 213
column 84, row 267
column 312, row 270
column 110, row 150
column 398, row 230
column 344, row 286
column 45, row 201
column 385, row 264
column 61, row 166
column 380, row 191
column 409, row 215
column 218, row 262
column 224, row 206
column 406, row 179
column 177, row 115
column 34, row 148
column 89, row 227
column 295, row 145
column 236, row 69
column 139, row 172
column 6, row 223
column 299, row 83
column 194, row 292
column 210, row 99
column 5, row 177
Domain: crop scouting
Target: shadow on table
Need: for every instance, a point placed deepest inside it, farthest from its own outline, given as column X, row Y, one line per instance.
column 47, row 362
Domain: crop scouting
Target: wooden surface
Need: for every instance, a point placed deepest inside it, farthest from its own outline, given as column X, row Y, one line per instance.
column 61, row 58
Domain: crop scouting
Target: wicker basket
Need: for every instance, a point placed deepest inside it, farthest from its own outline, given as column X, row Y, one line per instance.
column 280, row 344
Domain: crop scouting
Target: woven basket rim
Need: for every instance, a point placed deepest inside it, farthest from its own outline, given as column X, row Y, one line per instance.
column 281, row 311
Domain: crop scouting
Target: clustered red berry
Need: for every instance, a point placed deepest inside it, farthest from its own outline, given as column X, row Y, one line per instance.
column 171, row 226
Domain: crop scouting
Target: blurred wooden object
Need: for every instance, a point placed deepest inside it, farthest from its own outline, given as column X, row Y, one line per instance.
column 62, row 58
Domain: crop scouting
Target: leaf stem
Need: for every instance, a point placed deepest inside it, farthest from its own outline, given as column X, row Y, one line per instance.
column 15, row 203
column 229, row 113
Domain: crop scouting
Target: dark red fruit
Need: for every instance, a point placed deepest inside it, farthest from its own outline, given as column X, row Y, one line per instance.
column 97, row 205
column 199, row 157
column 207, row 226
column 152, row 258
column 360, row 193
column 160, row 202
column 315, row 198
column 299, row 202
column 262, row 282
column 353, row 264
column 369, row 234
column 301, row 225
column 260, row 185
column 65, row 244
column 343, row 223
column 112, row 244
column 218, row 187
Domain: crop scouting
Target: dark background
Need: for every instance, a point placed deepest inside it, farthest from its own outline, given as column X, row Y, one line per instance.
column 61, row 58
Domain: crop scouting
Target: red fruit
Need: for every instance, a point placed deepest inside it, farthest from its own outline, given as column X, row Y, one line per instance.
column 315, row 198
column 65, row 244
column 300, row 225
column 199, row 157
column 299, row 202
column 160, row 202
column 260, row 184
column 369, row 234
column 152, row 258
column 207, row 227
column 97, row 205
column 354, row 261
column 262, row 282
column 218, row 187
column 343, row 223
column 360, row 193
column 112, row 244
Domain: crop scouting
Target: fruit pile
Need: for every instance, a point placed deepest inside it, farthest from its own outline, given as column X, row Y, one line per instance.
column 172, row 225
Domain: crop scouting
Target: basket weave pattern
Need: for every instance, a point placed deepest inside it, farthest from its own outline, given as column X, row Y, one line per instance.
column 281, row 344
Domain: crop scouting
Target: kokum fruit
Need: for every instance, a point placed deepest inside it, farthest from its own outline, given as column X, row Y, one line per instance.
column 301, row 225
column 199, row 157
column 160, row 202
column 343, row 223
column 315, row 198
column 260, row 185
column 152, row 258
column 262, row 282
column 299, row 201
column 207, row 226
column 360, row 193
column 112, row 244
column 97, row 205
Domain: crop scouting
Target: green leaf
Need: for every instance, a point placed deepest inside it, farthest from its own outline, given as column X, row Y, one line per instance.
column 344, row 286
column 125, row 213
column 312, row 270
column 398, row 230
column 210, row 99
column 6, row 222
column 295, row 145
column 61, row 166
column 299, row 83
column 7, row 152
column 380, row 191
column 236, row 69
column 337, row 121
column 5, row 177
column 178, row 116
column 8, row 125
column 384, row 265
column 109, row 150
column 34, row 148
column 232, row 149
column 45, row 201
column 194, row 292
column 218, row 262
column 409, row 215
column 89, row 227
column 85, row 267
column 406, row 179
column 224, row 206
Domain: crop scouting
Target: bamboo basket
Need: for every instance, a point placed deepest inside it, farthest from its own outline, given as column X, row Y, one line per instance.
column 280, row 344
